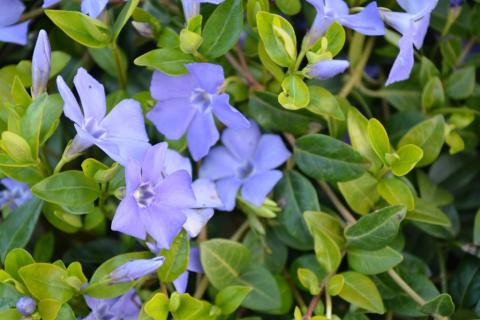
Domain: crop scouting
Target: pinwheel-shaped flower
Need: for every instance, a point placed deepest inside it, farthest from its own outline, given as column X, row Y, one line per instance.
column 120, row 134
column 248, row 160
column 10, row 13
column 412, row 25
column 367, row 21
column 188, row 102
column 15, row 194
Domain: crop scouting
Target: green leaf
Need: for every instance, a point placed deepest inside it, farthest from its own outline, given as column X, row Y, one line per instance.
column 361, row 194
column 408, row 156
column 441, row 305
column 59, row 61
column 461, row 83
column 433, row 95
column 289, row 7
column 8, row 296
column 431, row 192
column 253, row 7
column 176, row 258
column 100, row 286
column 268, row 63
column 335, row 38
column 17, row 228
column 222, row 29
column 360, row 290
column 295, row 194
column 396, row 192
column 428, row 70
column 168, row 60
column 230, row 298
column 378, row 137
column 375, row 230
column 49, row 308
column 278, row 37
column 309, row 280
column 476, row 229
column 428, row 213
column 123, row 17
column 44, row 247
column 326, row 158
column 157, row 307
column 373, row 262
column 428, row 135
column 324, row 103
column 85, row 30
column 16, row 147
column 267, row 250
column 11, row 314
column 16, row 259
column 358, row 133
column 46, row 281
column 70, row 188
column 295, row 94
column 223, row 261
column 103, row 57
column 192, row 309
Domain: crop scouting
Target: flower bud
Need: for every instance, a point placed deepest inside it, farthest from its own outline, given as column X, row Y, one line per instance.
column 135, row 269
column 40, row 64
column 26, row 306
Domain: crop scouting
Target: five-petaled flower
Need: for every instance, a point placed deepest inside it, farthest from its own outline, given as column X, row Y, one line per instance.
column 120, row 134
column 10, row 13
column 188, row 102
column 248, row 160
column 412, row 25
column 154, row 199
column 367, row 21
column 15, row 194
column 124, row 307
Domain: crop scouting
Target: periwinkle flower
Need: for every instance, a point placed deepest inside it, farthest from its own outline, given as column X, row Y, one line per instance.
column 326, row 69
column 367, row 21
column 49, row 3
column 10, row 13
column 247, row 160
column 154, row 199
column 194, row 265
column 40, row 64
column 135, row 269
column 120, row 134
column 125, row 307
column 188, row 102
column 26, row 306
column 15, row 194
column 412, row 25
column 191, row 8
column 93, row 7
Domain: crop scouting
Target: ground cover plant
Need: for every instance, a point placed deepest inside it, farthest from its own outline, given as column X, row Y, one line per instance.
column 239, row 159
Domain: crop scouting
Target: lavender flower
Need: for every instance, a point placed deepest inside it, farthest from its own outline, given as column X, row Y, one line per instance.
column 125, row 307
column 413, row 26
column 191, row 8
column 10, row 13
column 187, row 103
column 49, row 3
column 154, row 200
column 120, row 134
column 135, row 269
column 93, row 7
column 15, row 194
column 367, row 21
column 194, row 265
column 247, row 159
column 40, row 64
column 326, row 69
column 26, row 306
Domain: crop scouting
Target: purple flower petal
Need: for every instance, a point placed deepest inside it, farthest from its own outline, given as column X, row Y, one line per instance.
column 403, row 63
column 271, row 152
column 242, row 142
column 154, row 160
column 133, row 176
column 93, row 7
column 417, row 7
column 207, row 75
column 202, row 135
column 92, row 95
column 162, row 223
column 175, row 191
column 196, row 220
column 127, row 217
column 71, row 108
column 227, row 114
column 181, row 282
column 40, row 64
column 174, row 161
column 326, row 69
column 206, row 195
column 257, row 187
column 194, row 263
column 367, row 21
column 10, row 12
column 420, row 31
column 15, row 34
column 227, row 190
column 172, row 117
column 165, row 87
column 219, row 164
column 49, row 3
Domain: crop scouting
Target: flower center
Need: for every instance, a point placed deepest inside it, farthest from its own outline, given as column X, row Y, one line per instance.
column 245, row 171
column 201, row 100
column 93, row 127
column 144, row 195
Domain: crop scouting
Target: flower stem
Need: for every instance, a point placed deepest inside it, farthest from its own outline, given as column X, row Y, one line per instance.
column 239, row 233
column 121, row 72
column 337, row 203
column 405, row 287
column 202, row 287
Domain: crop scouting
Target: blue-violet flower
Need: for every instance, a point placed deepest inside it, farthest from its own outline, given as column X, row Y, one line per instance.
column 10, row 13
column 26, row 306
column 15, row 194
column 125, row 307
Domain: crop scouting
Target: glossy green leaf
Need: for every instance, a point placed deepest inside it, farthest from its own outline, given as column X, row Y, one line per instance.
column 441, row 305
column 373, row 262
column 191, row 309
column 461, row 83
column 230, row 298
column 295, row 94
column 309, row 280
column 335, row 38
column 123, row 17
column 428, row 213
column 324, row 103
column 408, row 156
column 157, row 307
column 396, row 192
column 16, row 259
column 476, row 229
column 375, row 230
column 431, row 192
column 289, row 7
column 323, row 157
column 176, row 258
column 378, row 137
column 168, row 60
column 361, row 194
column 433, row 95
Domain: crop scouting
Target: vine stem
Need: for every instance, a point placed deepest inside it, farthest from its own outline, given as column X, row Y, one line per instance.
column 405, row 287
column 243, row 70
column 357, row 72
column 337, row 203
column 121, row 72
